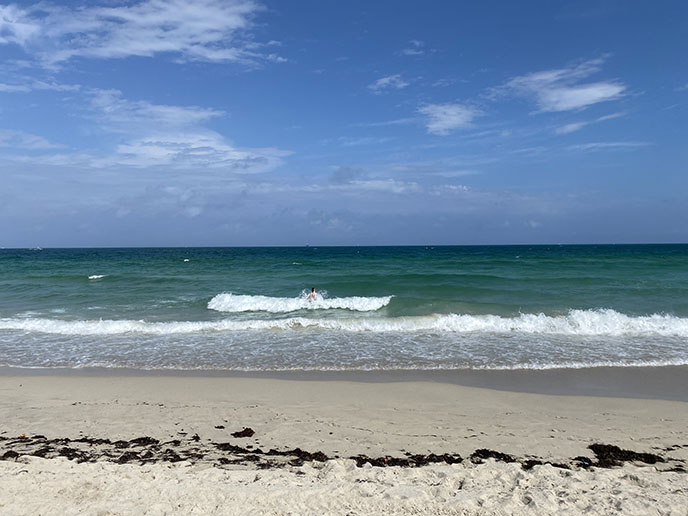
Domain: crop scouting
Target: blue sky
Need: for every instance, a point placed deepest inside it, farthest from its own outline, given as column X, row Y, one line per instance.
column 237, row 122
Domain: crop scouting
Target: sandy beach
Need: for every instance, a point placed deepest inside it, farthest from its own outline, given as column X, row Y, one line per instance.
column 337, row 444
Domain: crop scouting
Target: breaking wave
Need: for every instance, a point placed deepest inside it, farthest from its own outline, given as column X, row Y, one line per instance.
column 240, row 303
column 576, row 322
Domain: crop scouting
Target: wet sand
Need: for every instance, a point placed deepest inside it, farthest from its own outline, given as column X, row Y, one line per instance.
column 664, row 383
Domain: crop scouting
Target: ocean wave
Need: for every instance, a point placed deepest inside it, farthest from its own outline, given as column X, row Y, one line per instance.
column 242, row 303
column 575, row 323
column 97, row 276
column 602, row 364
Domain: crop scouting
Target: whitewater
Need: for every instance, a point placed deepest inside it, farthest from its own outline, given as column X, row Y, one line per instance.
column 395, row 308
column 575, row 323
column 244, row 303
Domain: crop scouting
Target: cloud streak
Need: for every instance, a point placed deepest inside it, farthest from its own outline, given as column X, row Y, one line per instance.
column 561, row 89
column 598, row 146
column 118, row 114
column 576, row 126
column 35, row 85
column 21, row 140
column 391, row 82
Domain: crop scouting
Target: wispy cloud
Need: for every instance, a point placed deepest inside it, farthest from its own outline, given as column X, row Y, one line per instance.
column 21, row 140
column 415, row 48
column 384, row 185
column 358, row 141
column 596, row 146
column 445, row 118
column 147, row 135
column 34, row 85
column 172, row 136
column 115, row 113
column 391, row 82
column 576, row 126
column 398, row 121
column 561, row 89
column 447, row 168
column 353, row 185
column 15, row 26
column 12, row 88
column 205, row 30
column 443, row 83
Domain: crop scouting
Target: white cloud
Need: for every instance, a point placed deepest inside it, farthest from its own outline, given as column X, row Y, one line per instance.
column 146, row 135
column 576, row 126
column 12, row 88
column 444, row 118
column 561, row 90
column 192, row 150
column 449, row 190
column 172, row 136
column 15, row 26
column 203, row 30
column 21, row 140
column 390, row 82
column 576, row 97
column 571, row 128
column 189, row 152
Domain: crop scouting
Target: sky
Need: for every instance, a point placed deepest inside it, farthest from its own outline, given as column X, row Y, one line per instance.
column 241, row 122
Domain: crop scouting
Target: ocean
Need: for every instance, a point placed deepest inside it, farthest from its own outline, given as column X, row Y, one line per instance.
column 378, row 308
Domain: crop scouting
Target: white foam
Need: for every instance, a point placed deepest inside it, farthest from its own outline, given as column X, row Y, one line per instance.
column 586, row 365
column 576, row 322
column 240, row 303
column 97, row 276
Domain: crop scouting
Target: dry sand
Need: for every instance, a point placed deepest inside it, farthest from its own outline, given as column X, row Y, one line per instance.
column 191, row 416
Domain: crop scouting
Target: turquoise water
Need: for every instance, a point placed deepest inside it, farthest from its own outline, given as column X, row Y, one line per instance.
column 378, row 307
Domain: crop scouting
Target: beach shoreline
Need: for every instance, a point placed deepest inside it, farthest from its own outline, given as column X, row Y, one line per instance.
column 663, row 383
column 103, row 405
column 319, row 446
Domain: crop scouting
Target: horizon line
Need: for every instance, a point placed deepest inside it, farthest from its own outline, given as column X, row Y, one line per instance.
column 267, row 246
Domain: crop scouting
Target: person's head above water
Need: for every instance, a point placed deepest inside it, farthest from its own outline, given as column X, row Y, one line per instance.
column 313, row 289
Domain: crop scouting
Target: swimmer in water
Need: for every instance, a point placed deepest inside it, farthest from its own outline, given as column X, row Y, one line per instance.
column 312, row 296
